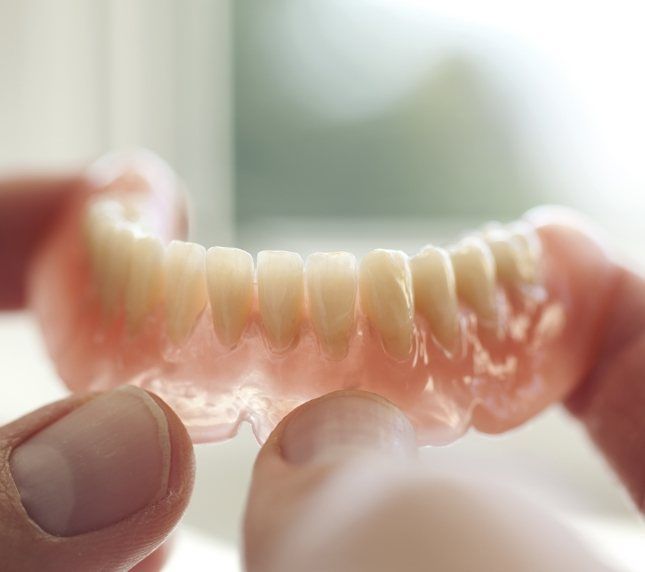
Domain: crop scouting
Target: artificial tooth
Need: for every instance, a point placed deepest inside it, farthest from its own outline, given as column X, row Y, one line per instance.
column 99, row 235
column 229, row 277
column 114, row 259
column 144, row 289
column 100, row 221
column 331, row 292
column 526, row 241
column 385, row 284
column 515, row 250
column 103, row 209
column 507, row 256
column 435, row 295
column 475, row 276
column 280, row 296
column 185, row 287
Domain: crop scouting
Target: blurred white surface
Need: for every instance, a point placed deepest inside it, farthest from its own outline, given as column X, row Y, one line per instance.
column 195, row 551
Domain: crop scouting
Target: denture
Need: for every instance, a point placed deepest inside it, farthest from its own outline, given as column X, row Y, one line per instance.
column 485, row 332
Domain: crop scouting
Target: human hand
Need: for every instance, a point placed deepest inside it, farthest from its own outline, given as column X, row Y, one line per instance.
column 93, row 482
column 337, row 488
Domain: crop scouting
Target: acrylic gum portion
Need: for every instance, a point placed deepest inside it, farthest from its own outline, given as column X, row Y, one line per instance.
column 330, row 292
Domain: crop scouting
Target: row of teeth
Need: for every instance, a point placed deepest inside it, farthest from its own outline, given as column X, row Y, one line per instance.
column 137, row 269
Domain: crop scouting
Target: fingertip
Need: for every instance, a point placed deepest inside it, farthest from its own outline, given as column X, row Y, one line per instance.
column 344, row 431
column 343, row 424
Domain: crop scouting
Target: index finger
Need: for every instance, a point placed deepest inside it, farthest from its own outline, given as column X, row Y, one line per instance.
column 610, row 402
column 28, row 208
column 609, row 396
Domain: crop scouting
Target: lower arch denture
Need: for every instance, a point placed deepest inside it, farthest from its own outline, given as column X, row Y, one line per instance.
column 484, row 333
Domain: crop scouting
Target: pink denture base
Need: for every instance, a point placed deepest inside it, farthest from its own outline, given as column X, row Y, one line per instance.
column 495, row 380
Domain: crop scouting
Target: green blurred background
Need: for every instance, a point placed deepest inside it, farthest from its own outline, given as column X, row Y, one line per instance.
column 327, row 125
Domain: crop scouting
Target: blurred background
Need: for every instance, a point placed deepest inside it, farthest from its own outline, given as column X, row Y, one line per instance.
column 324, row 124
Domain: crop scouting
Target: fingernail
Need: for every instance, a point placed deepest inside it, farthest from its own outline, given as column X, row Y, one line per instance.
column 97, row 465
column 345, row 424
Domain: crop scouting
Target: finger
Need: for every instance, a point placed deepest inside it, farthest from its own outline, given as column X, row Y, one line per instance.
column 155, row 561
column 304, row 460
column 611, row 401
column 28, row 209
column 92, row 483
column 610, row 397
column 336, row 488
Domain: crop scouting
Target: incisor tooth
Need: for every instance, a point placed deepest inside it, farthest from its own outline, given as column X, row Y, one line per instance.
column 280, row 296
column 331, row 291
column 115, row 261
column 185, row 287
column 475, row 276
column 435, row 295
column 144, row 289
column 229, row 277
column 386, row 298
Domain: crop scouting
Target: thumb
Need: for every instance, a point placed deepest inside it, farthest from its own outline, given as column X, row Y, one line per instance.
column 334, row 488
column 320, row 468
column 92, row 483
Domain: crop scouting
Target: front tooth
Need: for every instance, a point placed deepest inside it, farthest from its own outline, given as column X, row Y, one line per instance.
column 435, row 294
column 280, row 296
column 185, row 287
column 385, row 285
column 331, row 293
column 229, row 276
column 145, row 282
column 116, row 265
column 475, row 276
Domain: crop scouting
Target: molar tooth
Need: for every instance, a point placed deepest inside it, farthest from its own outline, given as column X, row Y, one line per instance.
column 435, row 294
column 99, row 235
column 115, row 261
column 280, row 296
column 99, row 224
column 331, row 292
column 385, row 284
column 515, row 251
column 507, row 256
column 229, row 276
column 103, row 208
column 144, row 289
column 185, row 287
column 475, row 276
column 527, row 243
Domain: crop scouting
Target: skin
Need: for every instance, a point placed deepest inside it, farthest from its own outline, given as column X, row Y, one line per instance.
column 285, row 498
